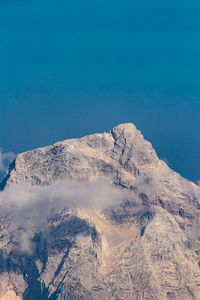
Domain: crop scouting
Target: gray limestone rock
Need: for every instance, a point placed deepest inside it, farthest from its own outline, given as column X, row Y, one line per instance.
column 146, row 247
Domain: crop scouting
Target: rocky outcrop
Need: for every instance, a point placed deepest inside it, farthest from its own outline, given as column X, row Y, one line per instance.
column 146, row 247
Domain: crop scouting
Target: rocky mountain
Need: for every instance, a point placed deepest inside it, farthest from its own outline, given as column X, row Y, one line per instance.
column 144, row 246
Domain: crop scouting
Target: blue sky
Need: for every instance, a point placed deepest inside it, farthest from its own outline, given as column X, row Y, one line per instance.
column 70, row 68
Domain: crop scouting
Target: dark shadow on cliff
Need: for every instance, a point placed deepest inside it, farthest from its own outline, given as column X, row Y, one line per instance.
column 59, row 238
column 4, row 181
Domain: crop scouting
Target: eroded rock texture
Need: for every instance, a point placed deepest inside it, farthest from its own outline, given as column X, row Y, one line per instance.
column 118, row 253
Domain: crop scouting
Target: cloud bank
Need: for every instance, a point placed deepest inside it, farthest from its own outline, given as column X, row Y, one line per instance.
column 31, row 207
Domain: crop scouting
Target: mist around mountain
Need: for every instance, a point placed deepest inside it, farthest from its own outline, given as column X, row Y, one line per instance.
column 100, row 217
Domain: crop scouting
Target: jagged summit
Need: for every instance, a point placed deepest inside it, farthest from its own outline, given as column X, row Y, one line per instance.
column 128, row 127
column 145, row 247
column 119, row 155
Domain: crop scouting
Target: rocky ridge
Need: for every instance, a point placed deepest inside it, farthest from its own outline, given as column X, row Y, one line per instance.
column 116, row 253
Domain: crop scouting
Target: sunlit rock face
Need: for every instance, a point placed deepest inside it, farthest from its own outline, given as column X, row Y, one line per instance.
column 118, row 156
column 145, row 246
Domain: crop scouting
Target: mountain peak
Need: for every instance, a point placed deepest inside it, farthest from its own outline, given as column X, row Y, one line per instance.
column 138, row 249
column 118, row 156
column 125, row 126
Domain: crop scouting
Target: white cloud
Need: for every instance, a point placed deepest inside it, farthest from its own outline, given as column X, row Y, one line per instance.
column 31, row 207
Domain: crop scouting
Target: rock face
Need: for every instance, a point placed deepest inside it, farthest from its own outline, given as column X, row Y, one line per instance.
column 117, row 253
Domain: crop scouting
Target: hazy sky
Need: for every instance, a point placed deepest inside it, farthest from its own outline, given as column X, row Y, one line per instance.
column 70, row 68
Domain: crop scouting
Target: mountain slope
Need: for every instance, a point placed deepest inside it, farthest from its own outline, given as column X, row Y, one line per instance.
column 145, row 247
